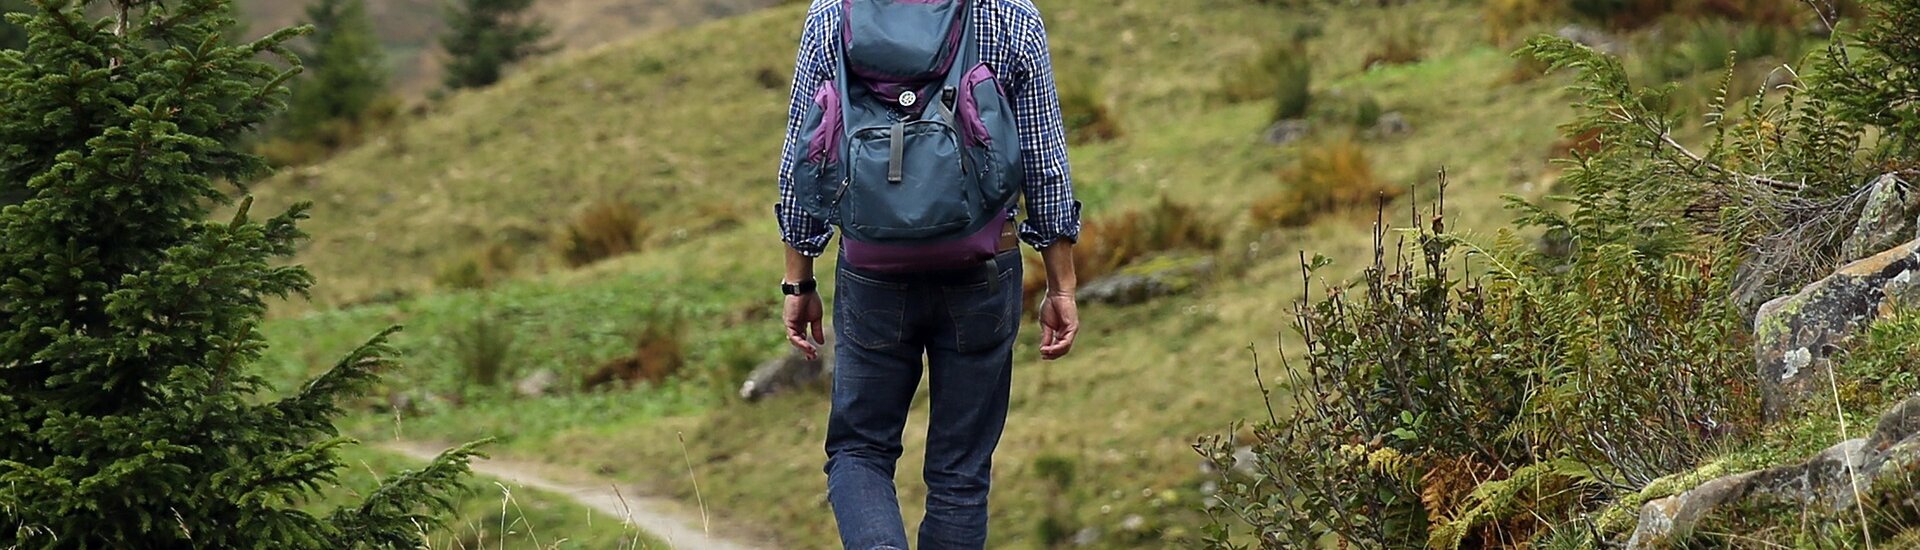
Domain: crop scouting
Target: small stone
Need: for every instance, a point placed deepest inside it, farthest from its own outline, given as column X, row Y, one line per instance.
column 537, row 384
column 1086, row 536
column 1288, row 131
column 1390, row 124
column 1133, row 523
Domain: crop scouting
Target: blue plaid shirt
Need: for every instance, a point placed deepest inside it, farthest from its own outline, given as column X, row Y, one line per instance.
column 1013, row 42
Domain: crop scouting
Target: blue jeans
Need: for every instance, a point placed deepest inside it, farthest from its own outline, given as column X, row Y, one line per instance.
column 964, row 323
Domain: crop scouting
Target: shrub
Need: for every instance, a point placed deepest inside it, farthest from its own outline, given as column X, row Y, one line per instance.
column 481, row 269
column 484, row 348
column 1329, row 177
column 1282, row 73
column 657, row 355
column 1088, row 116
column 1506, row 18
column 1110, row 243
column 604, row 230
column 1366, row 113
column 1396, row 48
column 1444, row 410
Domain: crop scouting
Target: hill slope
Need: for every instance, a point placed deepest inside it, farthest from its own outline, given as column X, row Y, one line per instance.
column 409, row 28
column 684, row 124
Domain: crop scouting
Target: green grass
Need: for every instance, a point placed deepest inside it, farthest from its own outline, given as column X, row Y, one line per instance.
column 677, row 123
column 492, row 514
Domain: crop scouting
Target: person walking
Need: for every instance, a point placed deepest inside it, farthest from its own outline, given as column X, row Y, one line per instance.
column 915, row 128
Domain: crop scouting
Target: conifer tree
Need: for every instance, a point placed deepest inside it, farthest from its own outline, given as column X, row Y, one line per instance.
column 12, row 36
column 129, row 415
column 485, row 36
column 346, row 72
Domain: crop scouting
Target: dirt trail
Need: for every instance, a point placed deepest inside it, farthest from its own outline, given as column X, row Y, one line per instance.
column 656, row 516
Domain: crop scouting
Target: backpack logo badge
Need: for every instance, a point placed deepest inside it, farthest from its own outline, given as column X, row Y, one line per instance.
column 908, row 98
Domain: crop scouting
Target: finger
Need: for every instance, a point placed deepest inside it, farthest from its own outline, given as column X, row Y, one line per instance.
column 819, row 331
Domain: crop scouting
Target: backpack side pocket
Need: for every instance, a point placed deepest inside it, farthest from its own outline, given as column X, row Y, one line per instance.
column 992, row 138
column 817, row 176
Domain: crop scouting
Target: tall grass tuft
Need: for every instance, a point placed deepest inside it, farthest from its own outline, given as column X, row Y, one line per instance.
column 1330, row 176
column 1282, row 73
column 604, row 230
column 484, row 347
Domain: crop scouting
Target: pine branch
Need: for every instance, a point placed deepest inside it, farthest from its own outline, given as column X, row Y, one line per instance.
column 405, row 502
column 314, row 408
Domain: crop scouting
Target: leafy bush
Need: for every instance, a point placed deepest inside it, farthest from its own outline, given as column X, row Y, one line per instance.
column 1282, row 73
column 1450, row 410
column 1507, row 405
column 604, row 230
column 1330, row 176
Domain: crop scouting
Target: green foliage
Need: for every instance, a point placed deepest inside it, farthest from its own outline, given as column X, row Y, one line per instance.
column 1561, row 379
column 484, row 37
column 1877, row 82
column 484, row 348
column 1281, row 73
column 12, row 36
column 128, row 321
column 346, row 75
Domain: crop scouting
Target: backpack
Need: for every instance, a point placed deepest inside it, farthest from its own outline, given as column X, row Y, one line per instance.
column 910, row 148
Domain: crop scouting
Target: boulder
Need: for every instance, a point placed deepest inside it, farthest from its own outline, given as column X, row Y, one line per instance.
column 1150, row 278
column 789, row 372
column 1825, row 482
column 537, row 384
column 1288, row 131
column 1795, row 335
column 1888, row 219
column 1391, row 124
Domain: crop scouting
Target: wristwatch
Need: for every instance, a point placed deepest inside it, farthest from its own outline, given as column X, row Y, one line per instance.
column 802, row 288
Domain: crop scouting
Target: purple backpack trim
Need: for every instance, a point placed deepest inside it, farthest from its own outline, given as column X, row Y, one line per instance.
column 965, row 252
column 824, row 143
column 969, row 106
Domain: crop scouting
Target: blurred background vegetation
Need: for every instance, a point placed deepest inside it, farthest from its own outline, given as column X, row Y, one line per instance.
column 581, row 251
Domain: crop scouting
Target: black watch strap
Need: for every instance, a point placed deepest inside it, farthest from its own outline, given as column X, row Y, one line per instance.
column 801, row 288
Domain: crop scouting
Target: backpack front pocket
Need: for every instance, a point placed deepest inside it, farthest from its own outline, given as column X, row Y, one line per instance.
column 907, row 182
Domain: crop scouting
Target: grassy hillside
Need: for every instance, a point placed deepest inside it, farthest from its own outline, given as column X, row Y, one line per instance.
column 409, row 28
column 684, row 125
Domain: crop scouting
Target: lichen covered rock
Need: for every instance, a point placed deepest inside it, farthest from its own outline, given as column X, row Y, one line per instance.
column 1795, row 336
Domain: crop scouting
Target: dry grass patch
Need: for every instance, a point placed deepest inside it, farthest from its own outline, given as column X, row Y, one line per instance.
column 1331, row 176
column 1110, row 243
column 604, row 230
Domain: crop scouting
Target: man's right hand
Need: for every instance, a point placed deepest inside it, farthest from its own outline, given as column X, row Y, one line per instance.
column 803, row 316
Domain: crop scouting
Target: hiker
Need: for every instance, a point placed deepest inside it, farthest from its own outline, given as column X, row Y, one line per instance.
column 915, row 128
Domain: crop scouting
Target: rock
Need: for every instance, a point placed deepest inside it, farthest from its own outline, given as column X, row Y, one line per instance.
column 1390, row 124
column 1150, row 278
column 1590, row 37
column 1133, row 522
column 1825, row 482
column 1087, row 536
column 1888, row 219
column 789, row 372
column 1794, row 336
column 537, row 384
column 1288, row 131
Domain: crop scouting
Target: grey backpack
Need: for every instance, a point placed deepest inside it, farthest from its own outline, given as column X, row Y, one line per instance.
column 911, row 148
